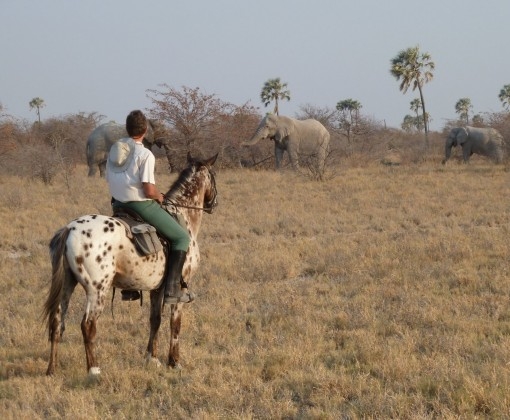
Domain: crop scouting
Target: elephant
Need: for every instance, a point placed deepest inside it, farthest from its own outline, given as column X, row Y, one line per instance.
column 103, row 136
column 296, row 137
column 483, row 141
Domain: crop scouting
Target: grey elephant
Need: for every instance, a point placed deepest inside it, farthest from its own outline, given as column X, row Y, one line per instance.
column 296, row 137
column 103, row 136
column 482, row 141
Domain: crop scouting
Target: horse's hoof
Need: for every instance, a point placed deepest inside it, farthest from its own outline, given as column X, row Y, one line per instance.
column 152, row 361
column 176, row 367
column 94, row 371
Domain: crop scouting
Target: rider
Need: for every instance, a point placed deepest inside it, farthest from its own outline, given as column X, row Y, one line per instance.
column 130, row 176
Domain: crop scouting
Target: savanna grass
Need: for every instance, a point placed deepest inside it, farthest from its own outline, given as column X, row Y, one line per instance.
column 382, row 292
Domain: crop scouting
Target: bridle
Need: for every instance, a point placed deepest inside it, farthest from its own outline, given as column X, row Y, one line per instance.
column 209, row 205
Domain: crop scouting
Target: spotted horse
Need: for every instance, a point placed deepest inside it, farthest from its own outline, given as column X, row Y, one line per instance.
column 95, row 251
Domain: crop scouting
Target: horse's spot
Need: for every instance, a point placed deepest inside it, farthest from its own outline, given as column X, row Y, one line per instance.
column 79, row 260
column 87, row 254
column 105, row 229
column 80, row 269
column 117, row 223
column 105, row 253
column 98, row 259
column 121, row 246
column 109, row 247
column 94, row 216
column 91, row 245
column 85, row 247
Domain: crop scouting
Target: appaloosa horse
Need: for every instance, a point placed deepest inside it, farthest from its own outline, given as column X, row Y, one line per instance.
column 95, row 251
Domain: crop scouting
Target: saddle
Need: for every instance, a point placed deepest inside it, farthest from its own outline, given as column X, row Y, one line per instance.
column 144, row 236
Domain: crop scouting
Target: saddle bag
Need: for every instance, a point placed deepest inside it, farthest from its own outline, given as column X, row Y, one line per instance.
column 146, row 239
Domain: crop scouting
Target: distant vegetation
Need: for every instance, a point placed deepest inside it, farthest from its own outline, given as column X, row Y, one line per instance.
column 203, row 124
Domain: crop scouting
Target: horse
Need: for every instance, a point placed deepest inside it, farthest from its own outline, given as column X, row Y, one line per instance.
column 95, row 251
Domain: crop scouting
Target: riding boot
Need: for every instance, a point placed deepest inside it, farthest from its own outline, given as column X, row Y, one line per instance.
column 173, row 292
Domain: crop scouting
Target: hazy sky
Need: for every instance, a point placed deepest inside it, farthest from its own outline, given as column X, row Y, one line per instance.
column 102, row 55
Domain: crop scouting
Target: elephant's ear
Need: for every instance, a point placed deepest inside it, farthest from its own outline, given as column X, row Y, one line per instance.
column 281, row 133
column 462, row 135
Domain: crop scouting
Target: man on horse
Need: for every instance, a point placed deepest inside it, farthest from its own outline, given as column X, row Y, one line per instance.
column 130, row 176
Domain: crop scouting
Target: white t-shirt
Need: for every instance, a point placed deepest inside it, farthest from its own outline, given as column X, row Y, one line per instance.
column 127, row 186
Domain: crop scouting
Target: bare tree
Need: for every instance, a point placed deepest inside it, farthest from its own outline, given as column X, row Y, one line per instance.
column 202, row 122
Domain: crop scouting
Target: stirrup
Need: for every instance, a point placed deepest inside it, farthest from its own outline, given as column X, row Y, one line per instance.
column 187, row 297
column 130, row 295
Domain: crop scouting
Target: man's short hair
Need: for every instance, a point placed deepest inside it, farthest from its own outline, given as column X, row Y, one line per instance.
column 136, row 123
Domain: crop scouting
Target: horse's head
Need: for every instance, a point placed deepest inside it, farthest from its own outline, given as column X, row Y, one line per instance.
column 195, row 188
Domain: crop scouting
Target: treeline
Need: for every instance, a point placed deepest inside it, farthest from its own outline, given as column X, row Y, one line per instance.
column 203, row 124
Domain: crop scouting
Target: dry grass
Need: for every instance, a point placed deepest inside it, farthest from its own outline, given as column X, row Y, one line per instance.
column 380, row 293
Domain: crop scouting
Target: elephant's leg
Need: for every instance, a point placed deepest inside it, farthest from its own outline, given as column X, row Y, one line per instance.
column 294, row 158
column 466, row 154
column 278, row 154
column 321, row 162
column 102, row 168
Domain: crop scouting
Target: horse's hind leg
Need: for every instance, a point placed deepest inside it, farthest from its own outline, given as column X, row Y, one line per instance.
column 155, row 323
column 88, row 329
column 69, row 286
column 54, row 325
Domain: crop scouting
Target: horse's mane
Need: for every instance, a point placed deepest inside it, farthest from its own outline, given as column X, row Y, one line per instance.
column 183, row 182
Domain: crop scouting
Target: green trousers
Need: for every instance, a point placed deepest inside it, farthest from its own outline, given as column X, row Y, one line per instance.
column 166, row 225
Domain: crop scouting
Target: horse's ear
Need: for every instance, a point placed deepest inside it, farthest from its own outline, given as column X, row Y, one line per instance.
column 211, row 160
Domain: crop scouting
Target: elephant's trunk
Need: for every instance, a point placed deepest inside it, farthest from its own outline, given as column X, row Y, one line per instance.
column 254, row 140
column 258, row 135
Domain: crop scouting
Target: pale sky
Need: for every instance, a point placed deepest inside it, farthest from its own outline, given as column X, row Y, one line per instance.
column 103, row 55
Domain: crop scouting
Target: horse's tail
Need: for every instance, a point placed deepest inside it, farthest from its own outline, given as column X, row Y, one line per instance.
column 59, row 273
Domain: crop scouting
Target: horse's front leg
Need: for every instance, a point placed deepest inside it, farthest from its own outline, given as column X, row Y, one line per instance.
column 175, row 329
column 155, row 322
column 88, row 330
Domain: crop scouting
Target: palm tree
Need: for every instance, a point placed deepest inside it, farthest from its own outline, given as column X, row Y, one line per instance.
column 37, row 103
column 351, row 107
column 349, row 118
column 462, row 108
column 504, row 97
column 273, row 90
column 414, row 69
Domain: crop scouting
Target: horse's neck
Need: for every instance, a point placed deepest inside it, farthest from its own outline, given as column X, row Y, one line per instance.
column 189, row 207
